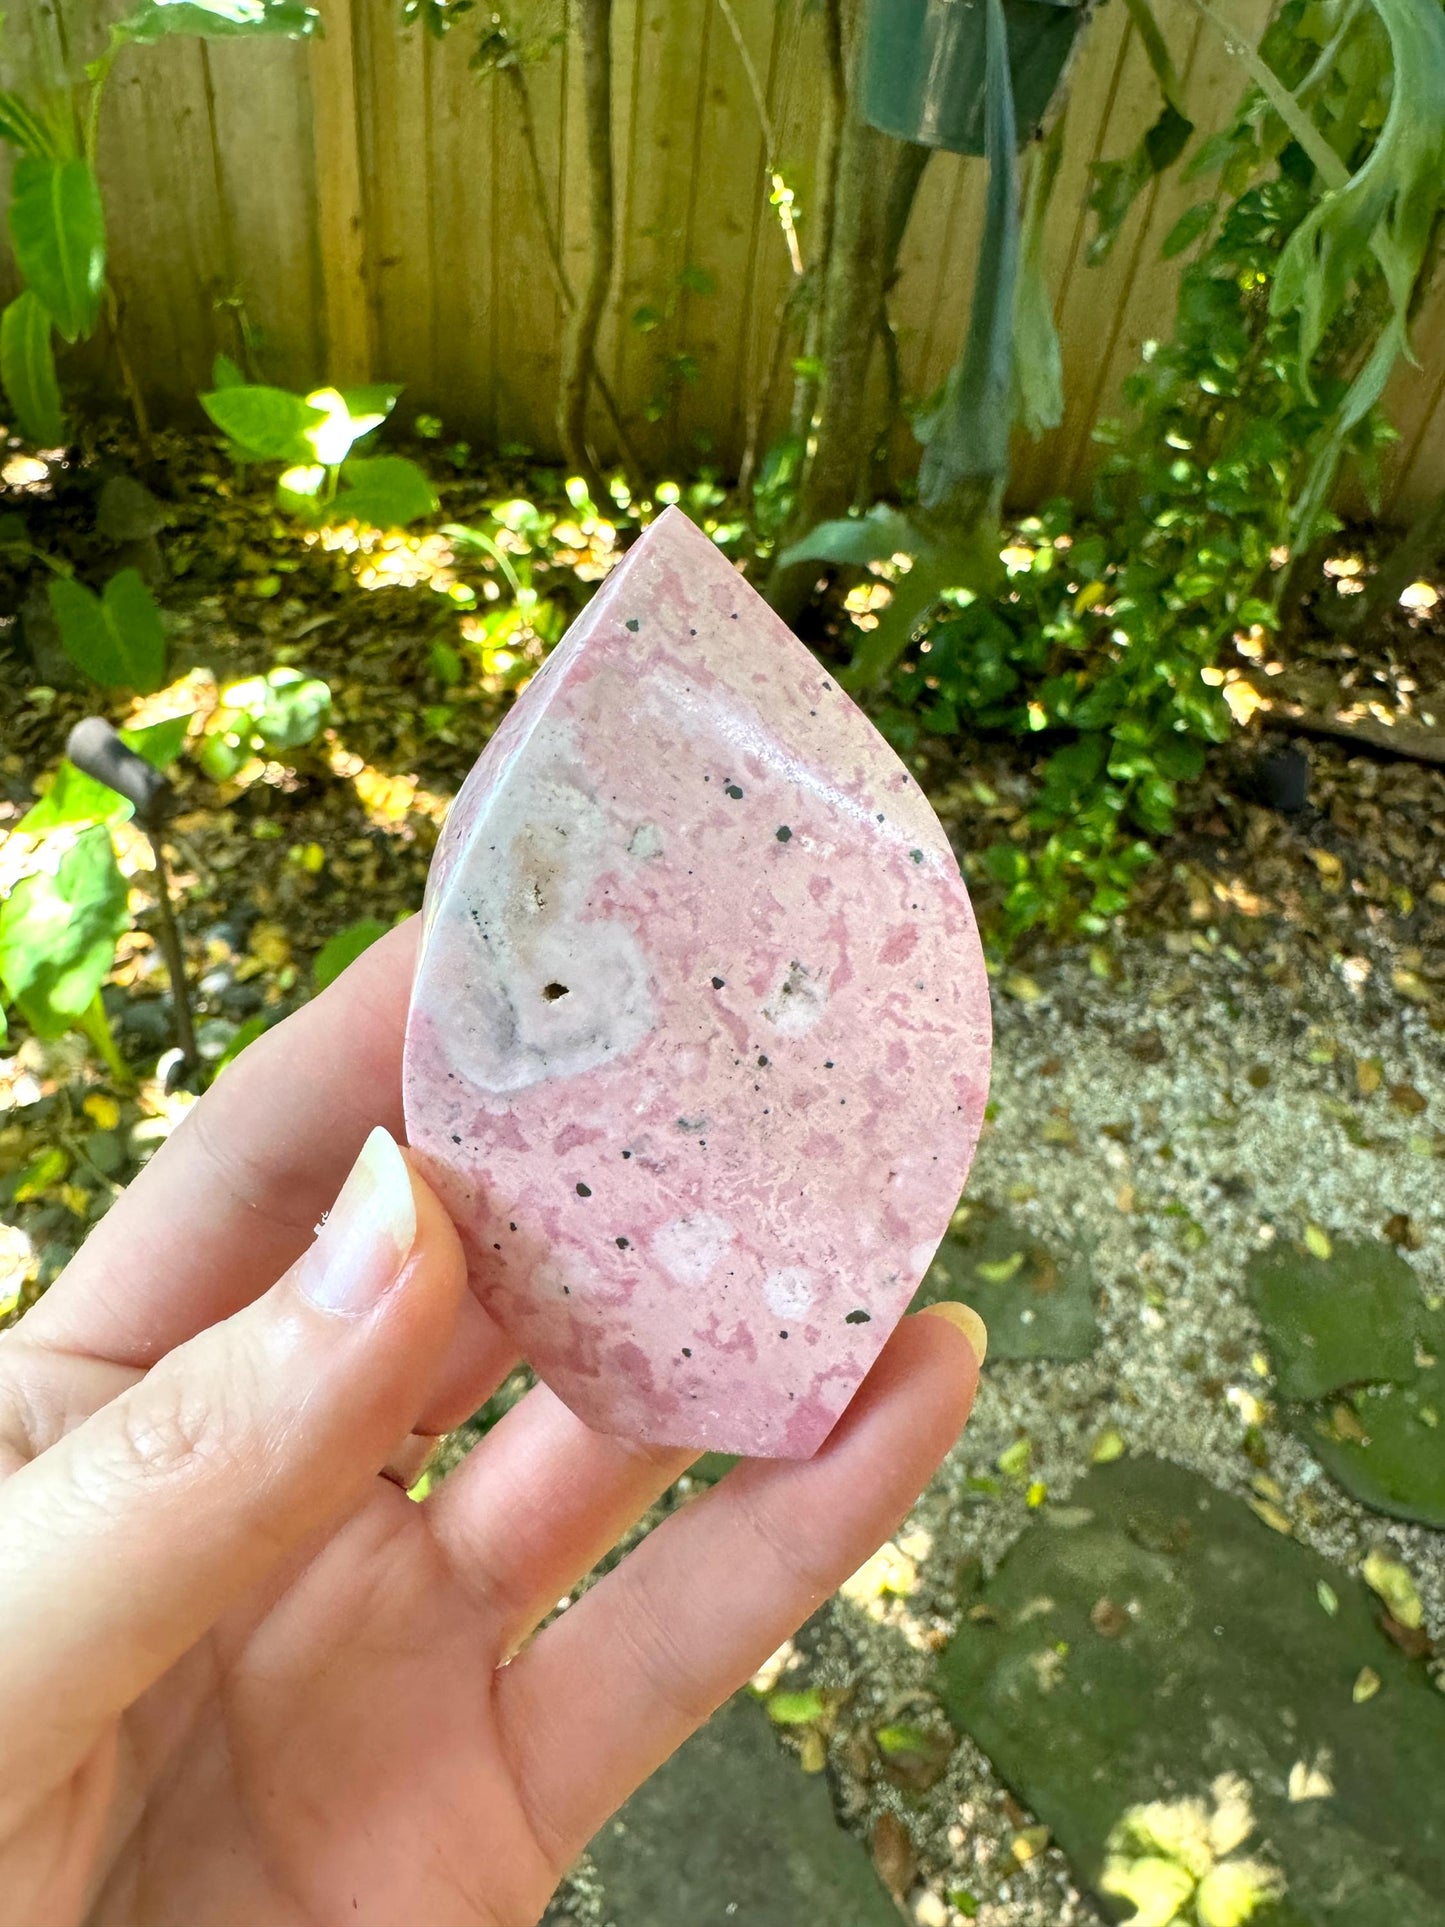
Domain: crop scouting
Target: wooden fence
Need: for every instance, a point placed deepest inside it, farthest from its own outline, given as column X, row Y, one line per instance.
column 363, row 204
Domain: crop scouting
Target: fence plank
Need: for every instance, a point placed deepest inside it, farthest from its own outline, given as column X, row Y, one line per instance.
column 347, row 310
column 267, row 175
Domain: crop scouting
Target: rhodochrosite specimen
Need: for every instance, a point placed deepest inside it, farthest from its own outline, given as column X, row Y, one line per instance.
column 699, row 1040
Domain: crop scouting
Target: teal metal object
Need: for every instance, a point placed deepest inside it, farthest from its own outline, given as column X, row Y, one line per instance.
column 923, row 64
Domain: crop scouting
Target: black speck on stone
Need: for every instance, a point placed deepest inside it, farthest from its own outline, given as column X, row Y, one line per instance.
column 496, row 1247
column 627, row 1154
column 622, row 1244
column 566, row 1291
column 584, row 1190
column 733, row 791
column 735, row 615
column 880, row 816
column 633, row 624
column 827, row 1063
column 917, row 855
column 511, row 1227
column 687, row 1351
column 455, row 1138
column 762, row 1061
column 859, row 1318
column 718, row 982
column 783, row 833
column 782, row 1334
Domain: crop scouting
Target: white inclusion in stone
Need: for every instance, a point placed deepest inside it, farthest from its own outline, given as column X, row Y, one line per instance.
column 789, row 1292
column 689, row 1249
column 799, row 1000
column 551, row 987
column 646, row 841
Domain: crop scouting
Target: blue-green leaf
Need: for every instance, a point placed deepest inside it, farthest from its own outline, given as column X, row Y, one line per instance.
column 857, row 539
column 1038, row 364
column 58, row 934
column 966, row 436
column 57, row 225
column 116, row 638
column 27, row 369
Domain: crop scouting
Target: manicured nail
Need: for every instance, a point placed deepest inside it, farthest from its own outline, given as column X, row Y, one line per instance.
column 365, row 1238
column 965, row 1319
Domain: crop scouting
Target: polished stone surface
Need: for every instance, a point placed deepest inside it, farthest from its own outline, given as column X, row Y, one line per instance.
column 698, row 1047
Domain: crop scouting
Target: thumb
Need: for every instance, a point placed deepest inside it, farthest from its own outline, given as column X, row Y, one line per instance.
column 123, row 1544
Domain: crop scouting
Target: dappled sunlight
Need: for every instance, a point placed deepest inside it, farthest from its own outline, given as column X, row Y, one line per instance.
column 390, row 801
column 1178, row 1861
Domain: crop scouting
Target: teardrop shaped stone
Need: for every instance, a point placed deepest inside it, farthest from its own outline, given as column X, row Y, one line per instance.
column 698, row 1046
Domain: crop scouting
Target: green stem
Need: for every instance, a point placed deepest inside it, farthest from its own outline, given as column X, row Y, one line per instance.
column 96, row 1026
column 1325, row 161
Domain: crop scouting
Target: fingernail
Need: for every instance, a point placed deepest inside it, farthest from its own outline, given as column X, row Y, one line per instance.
column 965, row 1319
column 366, row 1236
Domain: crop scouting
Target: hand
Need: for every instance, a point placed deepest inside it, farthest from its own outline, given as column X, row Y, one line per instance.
column 243, row 1678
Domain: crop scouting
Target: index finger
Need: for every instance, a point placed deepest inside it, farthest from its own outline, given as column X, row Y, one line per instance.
column 233, row 1197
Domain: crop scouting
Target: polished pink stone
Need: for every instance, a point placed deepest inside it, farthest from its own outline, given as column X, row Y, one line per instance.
column 698, row 1046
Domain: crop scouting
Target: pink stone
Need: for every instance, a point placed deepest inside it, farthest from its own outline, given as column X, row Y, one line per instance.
column 699, row 1041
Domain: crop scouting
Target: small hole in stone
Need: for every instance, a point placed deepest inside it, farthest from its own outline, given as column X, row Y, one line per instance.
column 622, row 1244
column 687, row 1351
column 859, row 1318
column 584, row 1190
column 553, row 991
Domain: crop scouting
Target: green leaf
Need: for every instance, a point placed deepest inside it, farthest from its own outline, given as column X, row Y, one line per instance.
column 1038, row 366
column 966, row 436
column 58, row 934
column 1187, row 229
column 1388, row 206
column 1118, row 184
column 218, row 20
column 861, row 539
column 280, row 710
column 269, row 424
column 253, row 1028
column 225, row 373
column 795, row 1709
column 116, row 638
column 345, row 419
column 57, row 226
column 342, row 950
column 27, row 368
column 386, row 491
column 23, row 127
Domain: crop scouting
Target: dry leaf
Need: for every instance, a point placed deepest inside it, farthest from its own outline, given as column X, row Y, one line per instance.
column 1369, row 1075
column 1271, row 1515
column 1367, row 1684
column 1391, row 1581
column 1109, row 1619
column 1317, row 1241
column 1406, row 1098
column 893, row 1854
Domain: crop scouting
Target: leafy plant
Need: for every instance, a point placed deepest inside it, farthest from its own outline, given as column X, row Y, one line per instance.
column 1104, row 640
column 61, row 921
column 116, row 637
column 314, row 436
column 56, row 215
column 281, row 710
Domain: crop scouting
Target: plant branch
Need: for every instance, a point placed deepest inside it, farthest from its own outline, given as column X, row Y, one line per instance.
column 580, row 345
column 517, row 79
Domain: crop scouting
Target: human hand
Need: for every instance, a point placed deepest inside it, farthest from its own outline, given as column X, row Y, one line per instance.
column 243, row 1679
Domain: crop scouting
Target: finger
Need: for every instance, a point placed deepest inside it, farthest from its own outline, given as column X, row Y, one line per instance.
column 126, row 1541
column 233, row 1197
column 607, row 1692
column 537, row 1504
